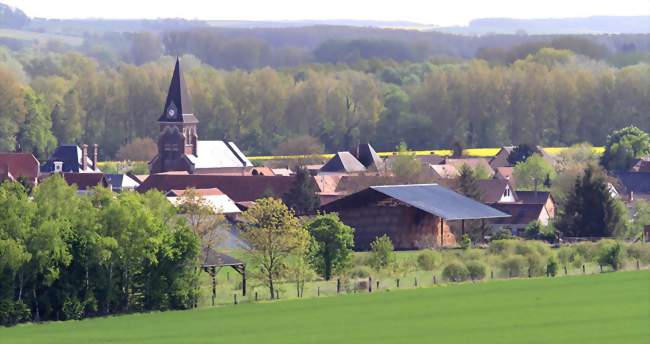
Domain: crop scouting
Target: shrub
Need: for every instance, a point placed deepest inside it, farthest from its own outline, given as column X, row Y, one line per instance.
column 501, row 246
column 639, row 251
column 565, row 255
column 552, row 266
column 429, row 260
column 476, row 270
column 612, row 255
column 473, row 254
column 381, row 252
column 502, row 235
column 586, row 250
column 360, row 271
column 465, row 241
column 455, row 272
column 361, row 259
column 13, row 312
column 515, row 265
column 536, row 264
column 533, row 230
column 73, row 309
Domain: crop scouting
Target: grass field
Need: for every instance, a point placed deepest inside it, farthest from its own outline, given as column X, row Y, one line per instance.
column 41, row 37
column 601, row 308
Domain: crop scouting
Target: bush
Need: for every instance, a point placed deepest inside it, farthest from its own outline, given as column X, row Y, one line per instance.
column 429, row 260
column 502, row 246
column 473, row 254
column 476, row 270
column 533, row 230
column 455, row 272
column 552, row 266
column 502, row 235
column 361, row 259
column 515, row 265
column 465, row 241
column 13, row 312
column 381, row 252
column 639, row 251
column 360, row 271
column 612, row 255
column 73, row 309
column 536, row 264
column 586, row 250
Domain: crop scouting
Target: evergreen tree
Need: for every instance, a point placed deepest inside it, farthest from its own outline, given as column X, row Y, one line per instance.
column 302, row 197
column 468, row 183
column 521, row 153
column 590, row 209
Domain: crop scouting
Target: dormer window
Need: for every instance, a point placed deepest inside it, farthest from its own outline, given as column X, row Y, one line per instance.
column 58, row 166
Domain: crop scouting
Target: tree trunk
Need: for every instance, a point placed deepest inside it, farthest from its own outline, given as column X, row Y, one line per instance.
column 271, row 290
column 20, row 285
column 328, row 269
column 37, row 314
column 109, row 288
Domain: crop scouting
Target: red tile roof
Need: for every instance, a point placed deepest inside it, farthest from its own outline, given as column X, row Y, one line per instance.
column 238, row 188
column 521, row 214
column 21, row 165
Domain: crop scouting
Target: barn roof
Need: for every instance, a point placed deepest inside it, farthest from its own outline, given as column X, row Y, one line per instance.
column 430, row 198
column 343, row 162
column 521, row 214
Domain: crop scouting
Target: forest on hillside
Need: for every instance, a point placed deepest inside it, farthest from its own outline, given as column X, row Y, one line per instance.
column 535, row 93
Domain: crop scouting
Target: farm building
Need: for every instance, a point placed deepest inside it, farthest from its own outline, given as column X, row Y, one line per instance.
column 413, row 216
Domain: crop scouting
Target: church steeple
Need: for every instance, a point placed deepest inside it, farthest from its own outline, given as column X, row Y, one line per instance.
column 178, row 106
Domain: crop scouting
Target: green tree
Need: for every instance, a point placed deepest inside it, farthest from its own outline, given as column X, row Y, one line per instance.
column 533, row 172
column 274, row 234
column 406, row 166
column 302, row 197
column 333, row 243
column 35, row 133
column 623, row 146
column 590, row 210
column 468, row 183
column 521, row 153
column 381, row 252
column 12, row 110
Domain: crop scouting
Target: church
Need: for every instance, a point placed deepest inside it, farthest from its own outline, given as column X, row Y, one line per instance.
column 179, row 147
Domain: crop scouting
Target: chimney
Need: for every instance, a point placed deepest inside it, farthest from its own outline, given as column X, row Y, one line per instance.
column 95, row 147
column 631, row 196
column 84, row 157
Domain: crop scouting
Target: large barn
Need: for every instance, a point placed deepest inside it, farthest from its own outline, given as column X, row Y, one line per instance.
column 413, row 216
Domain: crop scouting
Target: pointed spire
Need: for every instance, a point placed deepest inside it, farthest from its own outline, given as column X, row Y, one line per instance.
column 178, row 101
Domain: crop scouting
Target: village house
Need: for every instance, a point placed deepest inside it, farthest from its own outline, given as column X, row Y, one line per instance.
column 85, row 182
column 413, row 216
column 19, row 167
column 363, row 159
column 213, row 197
column 71, row 158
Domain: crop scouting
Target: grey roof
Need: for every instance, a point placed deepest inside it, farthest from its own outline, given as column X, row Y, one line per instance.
column 343, row 162
column 639, row 182
column 217, row 154
column 210, row 258
column 368, row 156
column 440, row 201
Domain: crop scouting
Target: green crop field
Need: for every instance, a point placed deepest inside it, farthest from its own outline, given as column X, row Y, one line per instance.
column 601, row 308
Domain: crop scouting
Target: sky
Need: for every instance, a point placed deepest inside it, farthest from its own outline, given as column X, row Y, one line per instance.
column 433, row 12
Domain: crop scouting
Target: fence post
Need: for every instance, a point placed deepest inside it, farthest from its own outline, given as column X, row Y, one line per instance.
column 530, row 273
column 338, row 285
column 318, row 291
column 235, row 297
column 256, row 297
column 638, row 267
column 370, row 284
column 398, row 283
column 566, row 272
column 277, row 294
column 416, row 282
column 491, row 274
column 377, row 285
column 434, row 280
column 583, row 269
column 601, row 268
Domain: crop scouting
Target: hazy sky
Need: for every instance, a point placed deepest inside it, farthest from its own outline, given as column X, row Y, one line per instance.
column 454, row 12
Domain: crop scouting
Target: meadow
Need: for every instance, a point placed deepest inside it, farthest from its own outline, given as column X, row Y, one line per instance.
column 598, row 308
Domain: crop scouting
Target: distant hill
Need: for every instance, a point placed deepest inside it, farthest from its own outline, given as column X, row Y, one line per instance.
column 333, row 22
column 11, row 17
column 588, row 25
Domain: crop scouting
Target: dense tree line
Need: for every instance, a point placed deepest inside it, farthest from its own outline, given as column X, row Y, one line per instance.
column 89, row 255
column 552, row 97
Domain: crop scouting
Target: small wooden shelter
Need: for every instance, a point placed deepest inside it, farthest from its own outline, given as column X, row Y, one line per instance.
column 212, row 261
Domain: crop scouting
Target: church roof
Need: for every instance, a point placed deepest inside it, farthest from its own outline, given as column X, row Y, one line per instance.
column 218, row 154
column 343, row 162
column 178, row 99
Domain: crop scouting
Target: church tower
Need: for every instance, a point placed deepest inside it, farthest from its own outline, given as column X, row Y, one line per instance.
column 177, row 143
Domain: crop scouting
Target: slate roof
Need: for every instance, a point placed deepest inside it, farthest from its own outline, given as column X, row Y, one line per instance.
column 210, row 258
column 179, row 97
column 121, row 182
column 85, row 181
column 20, row 165
column 431, row 198
column 368, row 157
column 70, row 155
column 501, row 158
column 445, row 171
column 521, row 214
column 530, row 197
column 492, row 190
column 343, row 162
column 638, row 182
column 238, row 188
column 641, row 165
column 433, row 159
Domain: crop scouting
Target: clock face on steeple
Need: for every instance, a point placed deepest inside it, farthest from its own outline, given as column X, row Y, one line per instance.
column 171, row 111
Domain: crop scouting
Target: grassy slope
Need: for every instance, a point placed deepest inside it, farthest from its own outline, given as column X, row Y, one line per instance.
column 607, row 308
column 37, row 36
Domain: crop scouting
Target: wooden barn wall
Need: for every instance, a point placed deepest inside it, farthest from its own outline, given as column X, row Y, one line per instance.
column 408, row 228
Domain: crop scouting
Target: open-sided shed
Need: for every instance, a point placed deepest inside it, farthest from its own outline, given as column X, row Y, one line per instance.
column 212, row 261
column 413, row 216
